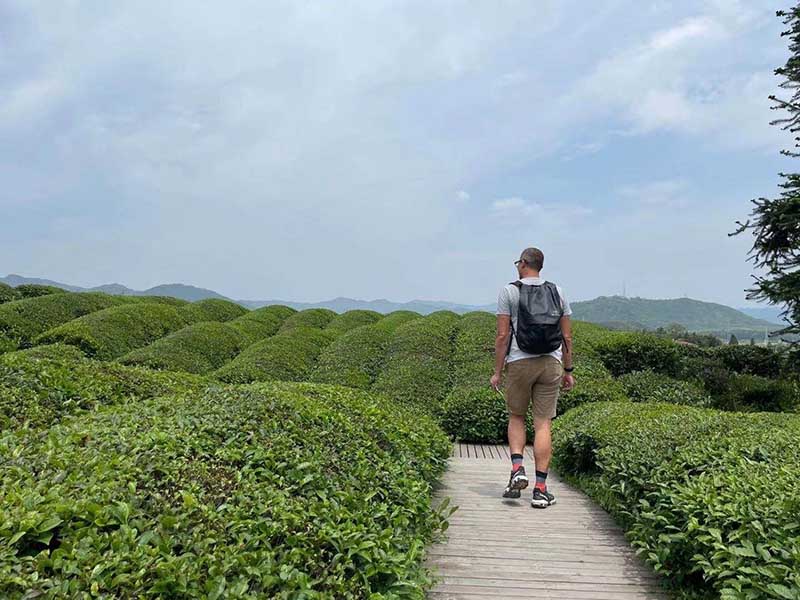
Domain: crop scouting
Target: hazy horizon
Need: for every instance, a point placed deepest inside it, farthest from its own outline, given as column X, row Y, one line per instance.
column 400, row 151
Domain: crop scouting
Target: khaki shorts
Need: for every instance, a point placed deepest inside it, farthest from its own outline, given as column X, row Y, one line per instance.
column 537, row 379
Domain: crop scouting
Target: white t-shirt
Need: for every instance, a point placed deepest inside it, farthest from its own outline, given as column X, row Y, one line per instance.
column 508, row 303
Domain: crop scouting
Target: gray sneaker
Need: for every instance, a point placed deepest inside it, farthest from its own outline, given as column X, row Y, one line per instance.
column 542, row 499
column 518, row 481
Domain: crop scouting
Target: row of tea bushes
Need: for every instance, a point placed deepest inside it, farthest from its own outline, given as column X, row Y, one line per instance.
column 22, row 321
column 472, row 411
column 293, row 353
column 30, row 290
column 112, row 332
column 647, row 386
column 205, row 347
column 418, row 367
column 40, row 385
column 709, row 498
column 211, row 309
column 288, row 356
column 265, row 491
column 356, row 358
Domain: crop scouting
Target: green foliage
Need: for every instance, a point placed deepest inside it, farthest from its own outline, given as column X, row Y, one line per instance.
column 647, row 386
column 477, row 413
column 8, row 293
column 40, row 385
column 751, row 392
column 110, row 333
column 33, row 290
column 709, row 498
column 473, row 359
column 355, row 358
column 418, row 364
column 627, row 352
column 397, row 318
column 750, row 359
column 263, row 322
column 270, row 491
column 593, row 383
column 24, row 319
column 351, row 319
column 288, row 356
column 312, row 317
column 199, row 348
column 211, row 309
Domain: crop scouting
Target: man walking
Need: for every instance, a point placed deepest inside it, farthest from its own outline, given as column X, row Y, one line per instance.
column 534, row 343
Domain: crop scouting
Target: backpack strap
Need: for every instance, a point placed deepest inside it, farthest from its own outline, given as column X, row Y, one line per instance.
column 517, row 284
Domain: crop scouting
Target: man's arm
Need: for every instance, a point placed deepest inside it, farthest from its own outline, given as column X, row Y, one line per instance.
column 500, row 348
column 568, row 381
column 566, row 350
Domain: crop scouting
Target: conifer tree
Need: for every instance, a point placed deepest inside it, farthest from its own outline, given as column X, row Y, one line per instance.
column 775, row 222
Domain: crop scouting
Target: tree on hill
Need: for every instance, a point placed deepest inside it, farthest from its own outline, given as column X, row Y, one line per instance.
column 775, row 222
column 733, row 341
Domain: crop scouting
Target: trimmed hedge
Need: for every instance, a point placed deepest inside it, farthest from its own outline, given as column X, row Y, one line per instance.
column 351, row 319
column 356, row 358
column 709, row 498
column 40, row 385
column 110, row 333
column 269, row 491
column 311, row 317
column 750, row 360
column 288, row 356
column 34, row 290
column 199, row 348
column 263, row 322
column 473, row 358
column 647, row 386
column 628, row 352
column 21, row 321
column 211, row 309
column 593, row 383
column 418, row 368
column 8, row 293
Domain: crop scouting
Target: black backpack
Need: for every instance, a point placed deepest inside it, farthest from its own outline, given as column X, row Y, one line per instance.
column 538, row 318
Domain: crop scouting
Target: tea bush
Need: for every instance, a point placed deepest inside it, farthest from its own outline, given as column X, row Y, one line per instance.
column 351, row 319
column 199, row 348
column 211, row 309
column 263, row 322
column 751, row 392
column 417, row 371
column 473, row 358
column 355, row 358
column 750, row 360
column 288, row 356
column 267, row 491
column 40, row 385
column 110, row 333
column 8, row 293
column 33, row 290
column 477, row 413
column 709, row 498
column 311, row 317
column 627, row 352
column 647, row 386
column 23, row 320
column 593, row 383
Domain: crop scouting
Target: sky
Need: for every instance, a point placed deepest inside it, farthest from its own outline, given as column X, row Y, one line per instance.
column 386, row 149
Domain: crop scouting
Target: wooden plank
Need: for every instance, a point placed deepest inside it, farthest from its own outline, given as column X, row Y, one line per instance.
column 492, row 547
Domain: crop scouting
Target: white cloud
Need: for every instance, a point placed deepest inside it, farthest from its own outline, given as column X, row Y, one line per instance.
column 665, row 193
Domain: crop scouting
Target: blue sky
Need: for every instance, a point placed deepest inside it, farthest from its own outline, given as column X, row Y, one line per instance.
column 387, row 149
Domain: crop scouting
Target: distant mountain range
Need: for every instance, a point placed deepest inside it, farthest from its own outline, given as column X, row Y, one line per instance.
column 615, row 311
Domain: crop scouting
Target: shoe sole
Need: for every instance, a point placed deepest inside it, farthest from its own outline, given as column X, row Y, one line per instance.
column 519, row 483
column 542, row 503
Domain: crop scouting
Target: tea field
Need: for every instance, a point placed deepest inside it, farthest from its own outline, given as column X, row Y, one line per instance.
column 151, row 447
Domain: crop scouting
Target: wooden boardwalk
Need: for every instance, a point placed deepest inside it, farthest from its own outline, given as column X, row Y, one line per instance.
column 500, row 548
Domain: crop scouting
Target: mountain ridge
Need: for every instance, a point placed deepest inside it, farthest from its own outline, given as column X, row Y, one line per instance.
column 621, row 311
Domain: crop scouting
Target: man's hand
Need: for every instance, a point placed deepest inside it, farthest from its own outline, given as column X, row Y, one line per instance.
column 495, row 382
column 567, row 382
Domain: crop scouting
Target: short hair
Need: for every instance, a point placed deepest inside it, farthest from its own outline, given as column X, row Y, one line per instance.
column 533, row 257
